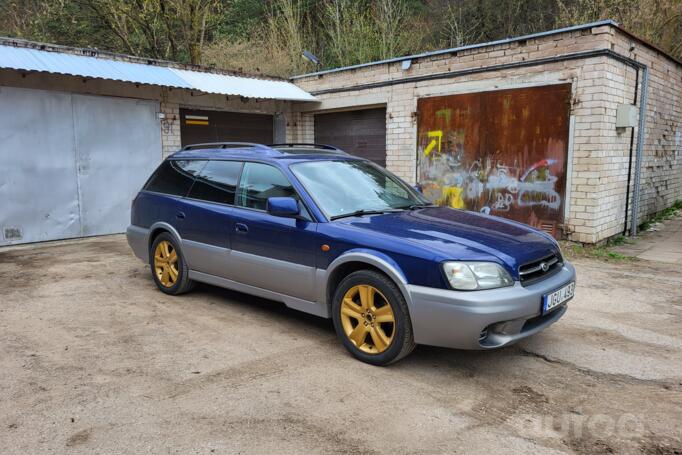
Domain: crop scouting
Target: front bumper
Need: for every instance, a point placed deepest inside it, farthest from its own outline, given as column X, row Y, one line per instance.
column 457, row 319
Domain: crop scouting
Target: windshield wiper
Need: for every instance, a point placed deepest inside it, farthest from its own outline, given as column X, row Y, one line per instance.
column 418, row 206
column 362, row 212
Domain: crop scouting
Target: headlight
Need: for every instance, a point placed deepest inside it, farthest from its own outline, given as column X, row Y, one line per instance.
column 469, row 276
column 558, row 247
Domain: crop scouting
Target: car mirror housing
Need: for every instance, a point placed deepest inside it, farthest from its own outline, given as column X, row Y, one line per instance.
column 286, row 207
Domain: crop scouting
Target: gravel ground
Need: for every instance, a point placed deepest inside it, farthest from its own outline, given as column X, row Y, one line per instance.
column 96, row 360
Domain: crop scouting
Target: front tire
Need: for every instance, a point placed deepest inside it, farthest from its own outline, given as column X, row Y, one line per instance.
column 371, row 318
column 168, row 266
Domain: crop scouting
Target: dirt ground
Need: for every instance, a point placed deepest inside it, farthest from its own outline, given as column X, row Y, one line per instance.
column 96, row 360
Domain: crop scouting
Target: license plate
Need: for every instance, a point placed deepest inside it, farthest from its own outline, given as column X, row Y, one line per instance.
column 556, row 298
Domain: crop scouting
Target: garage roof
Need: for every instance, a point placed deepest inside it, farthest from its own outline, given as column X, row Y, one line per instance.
column 523, row 38
column 27, row 56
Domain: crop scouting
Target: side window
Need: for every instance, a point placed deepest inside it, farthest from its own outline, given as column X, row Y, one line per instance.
column 174, row 177
column 259, row 182
column 217, row 182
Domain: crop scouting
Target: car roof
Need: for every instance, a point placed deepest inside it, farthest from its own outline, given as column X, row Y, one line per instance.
column 245, row 150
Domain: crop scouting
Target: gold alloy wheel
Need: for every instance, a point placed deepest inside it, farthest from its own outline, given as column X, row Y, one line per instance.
column 367, row 319
column 166, row 263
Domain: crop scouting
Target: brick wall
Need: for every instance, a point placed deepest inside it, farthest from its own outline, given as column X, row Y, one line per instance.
column 170, row 128
column 661, row 182
column 300, row 127
column 597, row 187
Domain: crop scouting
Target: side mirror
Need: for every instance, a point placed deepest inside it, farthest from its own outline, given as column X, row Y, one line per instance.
column 417, row 188
column 286, row 207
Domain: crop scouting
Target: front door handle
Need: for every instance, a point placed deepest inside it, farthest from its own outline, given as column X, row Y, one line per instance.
column 180, row 215
column 241, row 228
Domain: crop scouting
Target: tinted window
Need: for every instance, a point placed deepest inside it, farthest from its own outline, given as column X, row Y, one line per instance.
column 259, row 182
column 217, row 182
column 174, row 177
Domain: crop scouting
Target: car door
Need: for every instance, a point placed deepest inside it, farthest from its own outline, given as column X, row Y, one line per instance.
column 163, row 193
column 270, row 252
column 205, row 217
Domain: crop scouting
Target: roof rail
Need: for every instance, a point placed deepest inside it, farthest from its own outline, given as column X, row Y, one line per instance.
column 307, row 144
column 224, row 145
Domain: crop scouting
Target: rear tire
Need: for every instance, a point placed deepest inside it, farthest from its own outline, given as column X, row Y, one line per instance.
column 168, row 266
column 371, row 318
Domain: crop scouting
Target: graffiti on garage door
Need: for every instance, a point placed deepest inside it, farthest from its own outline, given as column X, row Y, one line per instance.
column 500, row 152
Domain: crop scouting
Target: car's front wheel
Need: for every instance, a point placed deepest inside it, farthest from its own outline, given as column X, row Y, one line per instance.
column 169, row 269
column 371, row 318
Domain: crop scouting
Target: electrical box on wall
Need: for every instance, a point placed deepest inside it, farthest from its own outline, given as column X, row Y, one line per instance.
column 626, row 116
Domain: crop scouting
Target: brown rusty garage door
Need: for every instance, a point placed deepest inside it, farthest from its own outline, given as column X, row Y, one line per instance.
column 501, row 152
column 199, row 126
column 361, row 132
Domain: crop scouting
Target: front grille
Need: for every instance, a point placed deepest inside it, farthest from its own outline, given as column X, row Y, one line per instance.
column 540, row 269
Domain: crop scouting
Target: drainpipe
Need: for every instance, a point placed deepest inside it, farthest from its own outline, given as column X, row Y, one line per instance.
column 638, row 154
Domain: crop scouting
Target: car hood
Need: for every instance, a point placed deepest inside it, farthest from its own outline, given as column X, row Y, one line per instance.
column 461, row 235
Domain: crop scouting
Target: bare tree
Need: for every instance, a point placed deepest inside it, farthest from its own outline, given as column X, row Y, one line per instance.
column 458, row 28
column 167, row 29
column 390, row 16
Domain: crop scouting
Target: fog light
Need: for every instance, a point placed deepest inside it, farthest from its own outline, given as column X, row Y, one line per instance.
column 504, row 328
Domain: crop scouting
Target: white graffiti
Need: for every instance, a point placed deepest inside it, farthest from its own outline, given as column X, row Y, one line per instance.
column 503, row 186
column 504, row 202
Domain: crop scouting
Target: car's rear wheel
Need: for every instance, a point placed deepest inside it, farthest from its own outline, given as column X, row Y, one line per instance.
column 371, row 318
column 169, row 269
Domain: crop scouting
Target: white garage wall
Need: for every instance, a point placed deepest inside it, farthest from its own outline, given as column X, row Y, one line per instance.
column 70, row 164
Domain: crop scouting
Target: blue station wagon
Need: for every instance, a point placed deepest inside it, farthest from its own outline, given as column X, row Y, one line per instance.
column 337, row 236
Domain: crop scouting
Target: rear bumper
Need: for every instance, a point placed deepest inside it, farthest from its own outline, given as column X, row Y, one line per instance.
column 138, row 239
column 456, row 319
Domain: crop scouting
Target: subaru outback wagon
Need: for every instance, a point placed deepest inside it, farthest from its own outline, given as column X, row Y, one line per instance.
column 337, row 236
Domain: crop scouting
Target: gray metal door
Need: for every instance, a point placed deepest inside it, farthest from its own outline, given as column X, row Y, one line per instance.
column 38, row 186
column 70, row 164
column 118, row 145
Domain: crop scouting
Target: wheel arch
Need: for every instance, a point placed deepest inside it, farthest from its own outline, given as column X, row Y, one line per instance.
column 355, row 260
column 159, row 227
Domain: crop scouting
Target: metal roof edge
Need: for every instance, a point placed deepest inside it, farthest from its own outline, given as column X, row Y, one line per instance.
column 128, row 58
column 557, row 31
column 32, row 57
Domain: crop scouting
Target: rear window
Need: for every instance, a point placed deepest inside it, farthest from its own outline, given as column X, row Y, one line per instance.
column 174, row 177
column 217, row 182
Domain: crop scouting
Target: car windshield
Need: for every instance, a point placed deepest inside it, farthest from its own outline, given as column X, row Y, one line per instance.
column 348, row 187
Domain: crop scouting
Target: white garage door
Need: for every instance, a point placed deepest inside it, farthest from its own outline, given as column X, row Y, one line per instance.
column 71, row 164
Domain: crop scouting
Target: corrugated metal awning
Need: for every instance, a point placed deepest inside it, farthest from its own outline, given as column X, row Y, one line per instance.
column 29, row 59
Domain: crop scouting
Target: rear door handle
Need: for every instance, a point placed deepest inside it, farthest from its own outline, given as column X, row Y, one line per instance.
column 180, row 215
column 241, row 228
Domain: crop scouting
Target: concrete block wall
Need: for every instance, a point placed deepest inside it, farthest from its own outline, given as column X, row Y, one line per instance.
column 598, row 185
column 170, row 128
column 300, row 127
column 661, row 182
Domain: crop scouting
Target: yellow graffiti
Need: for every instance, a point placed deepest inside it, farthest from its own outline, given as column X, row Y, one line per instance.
column 434, row 142
column 451, row 196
